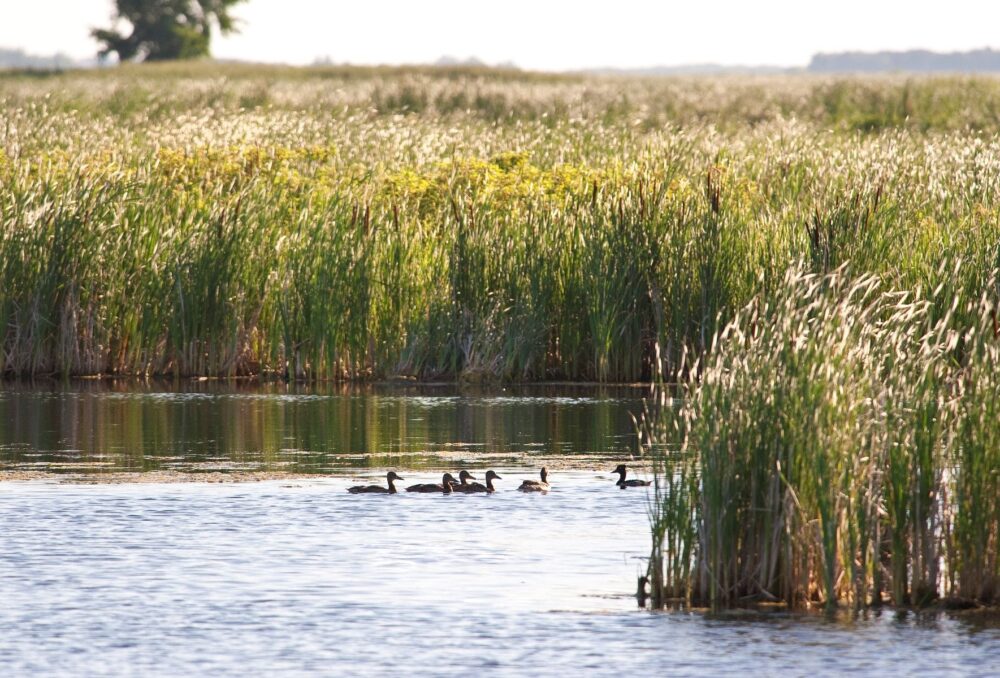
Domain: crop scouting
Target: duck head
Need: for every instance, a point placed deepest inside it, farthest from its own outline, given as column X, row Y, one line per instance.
column 391, row 476
column 464, row 475
column 446, row 480
column 545, row 474
column 491, row 475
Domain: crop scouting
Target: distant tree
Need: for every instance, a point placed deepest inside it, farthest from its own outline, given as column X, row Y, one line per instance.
column 165, row 29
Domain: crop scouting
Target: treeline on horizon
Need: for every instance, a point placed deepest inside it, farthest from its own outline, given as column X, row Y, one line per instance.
column 910, row 61
column 917, row 61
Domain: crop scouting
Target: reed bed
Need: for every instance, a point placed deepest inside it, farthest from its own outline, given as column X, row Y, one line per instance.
column 467, row 224
column 813, row 260
column 839, row 447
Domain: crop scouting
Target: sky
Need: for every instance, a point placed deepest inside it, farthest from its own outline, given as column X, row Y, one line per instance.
column 544, row 34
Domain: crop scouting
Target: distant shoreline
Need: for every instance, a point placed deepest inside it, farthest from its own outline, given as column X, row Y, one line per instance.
column 917, row 61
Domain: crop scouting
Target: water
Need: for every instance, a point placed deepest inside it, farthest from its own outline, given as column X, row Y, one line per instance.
column 299, row 577
column 205, row 426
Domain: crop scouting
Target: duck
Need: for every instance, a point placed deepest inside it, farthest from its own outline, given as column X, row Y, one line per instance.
column 479, row 487
column 463, row 479
column 622, row 483
column 536, row 486
column 377, row 489
column 446, row 484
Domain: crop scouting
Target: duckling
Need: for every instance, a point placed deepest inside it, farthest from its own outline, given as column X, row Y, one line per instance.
column 463, row 477
column 446, row 482
column 622, row 483
column 479, row 487
column 536, row 486
column 377, row 489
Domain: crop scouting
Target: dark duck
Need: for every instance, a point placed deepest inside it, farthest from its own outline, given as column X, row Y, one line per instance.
column 447, row 482
column 377, row 489
column 479, row 487
column 622, row 483
column 463, row 480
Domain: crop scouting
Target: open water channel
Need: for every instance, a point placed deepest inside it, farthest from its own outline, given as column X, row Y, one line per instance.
column 293, row 575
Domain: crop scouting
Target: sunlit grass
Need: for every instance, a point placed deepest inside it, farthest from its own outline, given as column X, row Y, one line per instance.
column 373, row 223
column 813, row 260
column 839, row 446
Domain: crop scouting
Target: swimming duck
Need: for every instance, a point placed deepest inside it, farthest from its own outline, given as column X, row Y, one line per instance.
column 463, row 479
column 377, row 489
column 479, row 487
column 622, row 483
column 536, row 486
column 446, row 484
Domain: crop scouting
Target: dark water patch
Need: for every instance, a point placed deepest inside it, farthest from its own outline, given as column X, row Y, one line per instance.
column 212, row 425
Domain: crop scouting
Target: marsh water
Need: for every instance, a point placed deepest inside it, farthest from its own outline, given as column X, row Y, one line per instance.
column 218, row 426
column 296, row 576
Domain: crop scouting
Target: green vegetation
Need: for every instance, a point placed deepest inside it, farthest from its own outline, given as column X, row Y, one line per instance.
column 165, row 29
column 842, row 443
column 375, row 223
column 814, row 260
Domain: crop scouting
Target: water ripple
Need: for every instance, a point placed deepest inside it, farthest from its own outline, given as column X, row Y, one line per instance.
column 268, row 578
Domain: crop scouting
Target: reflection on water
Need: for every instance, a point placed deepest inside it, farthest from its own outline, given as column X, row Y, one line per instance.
column 301, row 577
column 95, row 426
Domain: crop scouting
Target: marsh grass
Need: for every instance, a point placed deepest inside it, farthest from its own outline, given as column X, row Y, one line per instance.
column 838, row 447
column 337, row 223
column 813, row 260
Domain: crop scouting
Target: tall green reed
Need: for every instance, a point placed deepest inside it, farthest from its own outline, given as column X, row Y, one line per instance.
column 832, row 450
column 314, row 238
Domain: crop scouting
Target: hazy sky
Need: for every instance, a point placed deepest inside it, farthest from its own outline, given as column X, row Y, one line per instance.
column 545, row 34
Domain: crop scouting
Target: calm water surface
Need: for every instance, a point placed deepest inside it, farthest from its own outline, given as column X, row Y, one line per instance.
column 102, row 426
column 300, row 577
